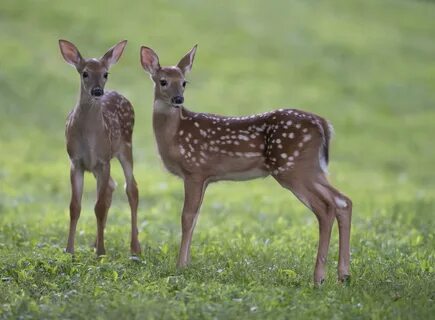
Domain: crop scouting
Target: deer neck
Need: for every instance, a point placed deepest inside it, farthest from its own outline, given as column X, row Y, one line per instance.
column 88, row 110
column 166, row 119
column 166, row 123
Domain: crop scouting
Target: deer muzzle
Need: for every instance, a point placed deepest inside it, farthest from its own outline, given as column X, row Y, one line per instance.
column 97, row 92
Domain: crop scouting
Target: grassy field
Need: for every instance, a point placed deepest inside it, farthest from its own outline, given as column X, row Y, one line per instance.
column 367, row 66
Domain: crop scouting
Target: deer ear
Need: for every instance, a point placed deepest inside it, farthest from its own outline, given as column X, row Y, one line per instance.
column 186, row 62
column 149, row 60
column 70, row 53
column 113, row 54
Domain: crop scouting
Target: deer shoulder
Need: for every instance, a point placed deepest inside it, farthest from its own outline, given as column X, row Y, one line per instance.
column 118, row 114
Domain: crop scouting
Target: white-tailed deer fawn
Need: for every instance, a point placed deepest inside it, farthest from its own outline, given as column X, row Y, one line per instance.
column 99, row 128
column 291, row 145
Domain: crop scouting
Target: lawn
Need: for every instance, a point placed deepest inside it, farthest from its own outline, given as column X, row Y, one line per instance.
column 367, row 66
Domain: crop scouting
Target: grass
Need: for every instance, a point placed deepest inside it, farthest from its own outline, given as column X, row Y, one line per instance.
column 365, row 65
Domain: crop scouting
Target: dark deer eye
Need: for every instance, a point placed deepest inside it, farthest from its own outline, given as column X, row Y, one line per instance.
column 85, row 74
column 163, row 83
column 184, row 84
column 105, row 75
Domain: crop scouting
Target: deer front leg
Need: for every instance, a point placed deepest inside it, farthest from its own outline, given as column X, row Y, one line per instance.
column 194, row 189
column 76, row 176
column 126, row 159
column 102, row 204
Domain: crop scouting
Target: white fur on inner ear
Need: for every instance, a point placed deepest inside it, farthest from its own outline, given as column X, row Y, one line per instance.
column 149, row 60
column 186, row 62
column 113, row 54
column 70, row 53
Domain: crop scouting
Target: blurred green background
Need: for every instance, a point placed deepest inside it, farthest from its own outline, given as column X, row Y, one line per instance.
column 367, row 66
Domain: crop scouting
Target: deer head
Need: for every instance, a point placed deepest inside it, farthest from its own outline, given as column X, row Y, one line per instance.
column 169, row 82
column 93, row 72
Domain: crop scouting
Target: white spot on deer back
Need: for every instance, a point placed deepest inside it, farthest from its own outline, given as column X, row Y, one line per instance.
column 307, row 137
column 243, row 137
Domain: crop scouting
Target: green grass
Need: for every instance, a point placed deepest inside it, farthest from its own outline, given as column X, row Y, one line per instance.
column 368, row 66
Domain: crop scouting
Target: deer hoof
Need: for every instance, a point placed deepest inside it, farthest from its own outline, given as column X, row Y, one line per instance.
column 345, row 279
column 319, row 283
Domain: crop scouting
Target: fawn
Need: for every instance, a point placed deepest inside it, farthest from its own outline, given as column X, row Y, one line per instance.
column 99, row 128
column 288, row 144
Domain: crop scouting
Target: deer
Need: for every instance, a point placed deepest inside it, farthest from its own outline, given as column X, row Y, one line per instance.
column 99, row 128
column 290, row 145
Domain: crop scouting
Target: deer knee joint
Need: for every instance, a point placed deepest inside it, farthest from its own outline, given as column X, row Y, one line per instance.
column 341, row 202
column 75, row 208
column 344, row 209
column 112, row 185
column 131, row 188
column 100, row 209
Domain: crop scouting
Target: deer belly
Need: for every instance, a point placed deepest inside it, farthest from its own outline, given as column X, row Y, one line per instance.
column 241, row 169
column 91, row 155
column 244, row 175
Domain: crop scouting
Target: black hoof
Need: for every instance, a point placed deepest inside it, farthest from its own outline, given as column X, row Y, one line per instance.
column 345, row 279
column 318, row 284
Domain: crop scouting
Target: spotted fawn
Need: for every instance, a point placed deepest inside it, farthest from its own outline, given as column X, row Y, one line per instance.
column 99, row 128
column 288, row 144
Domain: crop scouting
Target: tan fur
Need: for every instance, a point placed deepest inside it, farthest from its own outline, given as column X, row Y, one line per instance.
column 99, row 128
column 290, row 145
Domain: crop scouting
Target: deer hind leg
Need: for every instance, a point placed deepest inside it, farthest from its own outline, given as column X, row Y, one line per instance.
column 126, row 160
column 76, row 175
column 344, row 217
column 318, row 198
column 104, row 196
column 194, row 189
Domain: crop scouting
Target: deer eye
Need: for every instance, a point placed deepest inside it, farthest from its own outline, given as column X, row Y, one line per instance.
column 85, row 74
column 184, row 84
column 163, row 83
column 105, row 75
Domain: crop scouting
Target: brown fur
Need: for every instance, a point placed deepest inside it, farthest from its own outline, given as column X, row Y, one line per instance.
column 98, row 129
column 291, row 145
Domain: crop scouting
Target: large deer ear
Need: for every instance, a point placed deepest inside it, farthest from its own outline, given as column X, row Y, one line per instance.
column 70, row 53
column 113, row 54
column 149, row 60
column 186, row 62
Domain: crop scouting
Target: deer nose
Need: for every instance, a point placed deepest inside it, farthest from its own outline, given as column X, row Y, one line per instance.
column 97, row 91
column 177, row 100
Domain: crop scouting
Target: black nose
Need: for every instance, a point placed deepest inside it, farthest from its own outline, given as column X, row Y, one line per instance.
column 97, row 91
column 177, row 100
